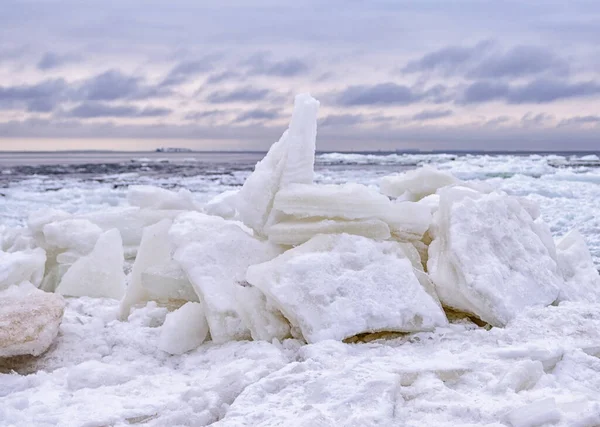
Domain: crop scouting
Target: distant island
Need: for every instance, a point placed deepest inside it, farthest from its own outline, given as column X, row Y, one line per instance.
column 173, row 150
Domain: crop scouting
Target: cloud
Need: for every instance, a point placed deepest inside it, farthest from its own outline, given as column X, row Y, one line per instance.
column 580, row 120
column 39, row 97
column 186, row 70
column 257, row 114
column 52, row 60
column 89, row 110
column 538, row 91
column 261, row 65
column 486, row 60
column 341, row 120
column 241, row 94
column 431, row 115
column 113, row 85
column 199, row 115
column 223, row 76
column 390, row 94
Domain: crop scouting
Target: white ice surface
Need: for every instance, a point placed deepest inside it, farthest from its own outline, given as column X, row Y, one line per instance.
column 99, row 274
column 147, row 196
column 489, row 257
column 416, row 184
column 184, row 329
column 79, row 235
column 21, row 266
column 215, row 254
column 581, row 278
column 338, row 286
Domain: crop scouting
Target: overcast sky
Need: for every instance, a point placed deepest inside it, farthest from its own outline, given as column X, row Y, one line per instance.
column 138, row 74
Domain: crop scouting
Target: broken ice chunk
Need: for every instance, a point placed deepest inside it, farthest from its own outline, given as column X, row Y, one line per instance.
column 184, row 329
column 418, row 183
column 338, row 286
column 147, row 196
column 17, row 267
column 99, row 274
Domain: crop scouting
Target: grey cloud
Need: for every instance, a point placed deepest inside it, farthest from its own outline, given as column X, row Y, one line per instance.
column 532, row 119
column 113, row 84
column 40, row 97
column 261, row 65
column 257, row 114
column 223, row 76
column 241, row 94
column 390, row 94
column 341, row 120
column 539, row 91
column 580, row 120
column 187, row 70
column 431, row 115
column 380, row 94
column 485, row 60
column 199, row 115
column 99, row 109
column 52, row 60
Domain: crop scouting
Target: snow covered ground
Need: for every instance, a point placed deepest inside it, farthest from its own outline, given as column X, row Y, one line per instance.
column 541, row 368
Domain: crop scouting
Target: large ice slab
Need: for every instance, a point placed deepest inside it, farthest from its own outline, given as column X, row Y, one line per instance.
column 154, row 250
column 260, row 315
column 148, row 196
column 295, row 232
column 215, row 254
column 416, row 184
column 99, row 274
column 289, row 161
column 406, row 220
column 29, row 320
column 21, row 266
column 489, row 257
column 581, row 279
column 338, row 286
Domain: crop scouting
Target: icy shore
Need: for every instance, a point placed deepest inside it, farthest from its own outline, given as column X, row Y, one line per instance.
column 426, row 300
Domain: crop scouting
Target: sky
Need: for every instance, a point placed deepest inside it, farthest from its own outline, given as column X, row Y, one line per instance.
column 222, row 75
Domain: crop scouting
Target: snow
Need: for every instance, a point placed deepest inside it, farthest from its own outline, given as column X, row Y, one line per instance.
column 542, row 412
column 99, row 274
column 29, row 320
column 184, row 329
column 338, row 286
column 21, row 266
column 581, row 278
column 489, row 257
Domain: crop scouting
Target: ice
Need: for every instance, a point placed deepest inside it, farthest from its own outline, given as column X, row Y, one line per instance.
column 338, row 286
column 289, row 161
column 522, row 376
column 99, row 274
column 130, row 221
column 223, row 205
column 77, row 234
column 147, row 196
column 347, row 201
column 489, row 257
column 406, row 220
column 154, row 250
column 416, row 184
column 21, row 266
column 296, row 232
column 184, row 329
column 29, row 320
column 260, row 315
column 15, row 239
column 168, row 281
column 38, row 219
column 581, row 278
column 540, row 413
column 215, row 254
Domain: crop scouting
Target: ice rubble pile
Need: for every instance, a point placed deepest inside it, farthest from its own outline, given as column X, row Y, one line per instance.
column 286, row 257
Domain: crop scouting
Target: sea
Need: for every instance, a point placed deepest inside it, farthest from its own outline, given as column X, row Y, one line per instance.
column 566, row 185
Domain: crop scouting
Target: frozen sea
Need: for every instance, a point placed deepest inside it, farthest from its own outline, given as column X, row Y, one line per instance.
column 566, row 185
column 542, row 369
